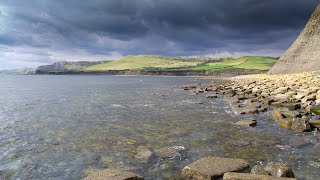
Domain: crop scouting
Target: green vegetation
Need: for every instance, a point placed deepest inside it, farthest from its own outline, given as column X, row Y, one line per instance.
column 167, row 63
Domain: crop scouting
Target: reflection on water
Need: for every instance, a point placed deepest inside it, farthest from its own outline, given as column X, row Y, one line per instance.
column 54, row 127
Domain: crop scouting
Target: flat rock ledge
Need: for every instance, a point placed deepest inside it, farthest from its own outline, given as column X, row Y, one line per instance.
column 293, row 100
column 110, row 174
column 246, row 176
column 213, row 168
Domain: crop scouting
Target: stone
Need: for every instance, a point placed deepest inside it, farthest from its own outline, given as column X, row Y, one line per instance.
column 316, row 110
column 285, row 122
column 298, row 142
column 300, row 125
column 247, row 123
column 143, row 154
column 213, row 167
column 275, row 115
column 110, row 174
column 246, row 176
column 279, row 170
column 211, row 96
column 289, row 106
column 281, row 97
column 268, row 100
column 315, row 123
column 299, row 97
column 169, row 152
column 290, row 114
column 259, row 170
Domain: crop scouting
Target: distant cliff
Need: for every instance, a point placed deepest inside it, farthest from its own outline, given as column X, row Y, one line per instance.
column 65, row 66
column 24, row 71
column 304, row 54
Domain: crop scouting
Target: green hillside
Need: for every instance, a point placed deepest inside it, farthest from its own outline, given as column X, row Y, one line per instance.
column 141, row 62
column 149, row 62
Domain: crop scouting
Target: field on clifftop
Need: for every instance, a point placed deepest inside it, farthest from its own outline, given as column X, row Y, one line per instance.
column 158, row 63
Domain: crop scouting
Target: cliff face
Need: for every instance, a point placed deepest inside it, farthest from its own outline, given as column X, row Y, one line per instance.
column 304, row 54
column 65, row 66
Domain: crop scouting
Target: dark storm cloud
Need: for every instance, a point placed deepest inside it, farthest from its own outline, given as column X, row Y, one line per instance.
column 46, row 31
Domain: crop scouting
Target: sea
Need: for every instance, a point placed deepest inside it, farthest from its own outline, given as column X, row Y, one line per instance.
column 59, row 126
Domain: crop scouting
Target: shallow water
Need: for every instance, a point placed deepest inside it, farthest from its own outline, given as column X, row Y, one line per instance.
column 54, row 127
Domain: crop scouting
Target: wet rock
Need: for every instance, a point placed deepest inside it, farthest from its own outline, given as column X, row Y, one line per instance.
column 110, row 174
column 289, row 106
column 279, row 169
column 246, row 176
column 315, row 123
column 298, row 142
column 143, row 154
column 300, row 125
column 249, row 110
column 259, row 170
column 290, row 114
column 285, row 122
column 247, row 123
column 275, row 115
column 211, row 96
column 169, row 152
column 213, row 167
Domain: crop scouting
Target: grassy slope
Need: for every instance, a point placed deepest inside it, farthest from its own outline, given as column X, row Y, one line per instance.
column 148, row 62
column 144, row 62
column 248, row 62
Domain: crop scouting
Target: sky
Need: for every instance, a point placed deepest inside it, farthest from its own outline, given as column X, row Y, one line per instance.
column 39, row 32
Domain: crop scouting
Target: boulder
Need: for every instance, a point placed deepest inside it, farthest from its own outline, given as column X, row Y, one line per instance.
column 110, row 174
column 279, row 170
column 213, row 167
column 246, row 176
column 290, row 114
column 169, row 152
column 247, row 123
column 259, row 170
column 143, row 154
column 275, row 115
column 285, row 122
column 300, row 125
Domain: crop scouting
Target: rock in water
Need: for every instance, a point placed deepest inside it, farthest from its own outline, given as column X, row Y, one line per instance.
column 279, row 169
column 110, row 174
column 304, row 54
column 259, row 170
column 213, row 167
column 247, row 123
column 143, row 154
column 244, row 176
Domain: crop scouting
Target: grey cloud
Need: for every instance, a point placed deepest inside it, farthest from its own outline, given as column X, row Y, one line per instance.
column 167, row 27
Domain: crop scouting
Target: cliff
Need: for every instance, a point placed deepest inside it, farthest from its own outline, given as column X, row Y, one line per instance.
column 304, row 54
column 65, row 66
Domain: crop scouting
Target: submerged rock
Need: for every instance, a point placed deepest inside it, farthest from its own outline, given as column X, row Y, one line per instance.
column 169, row 152
column 110, row 174
column 213, row 167
column 143, row 154
column 247, row 123
column 259, row 170
column 246, row 176
column 279, row 169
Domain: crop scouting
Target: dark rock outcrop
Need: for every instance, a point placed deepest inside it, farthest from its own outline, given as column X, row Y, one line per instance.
column 304, row 54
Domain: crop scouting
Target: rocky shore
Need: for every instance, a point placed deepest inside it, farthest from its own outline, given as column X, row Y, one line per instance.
column 291, row 100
